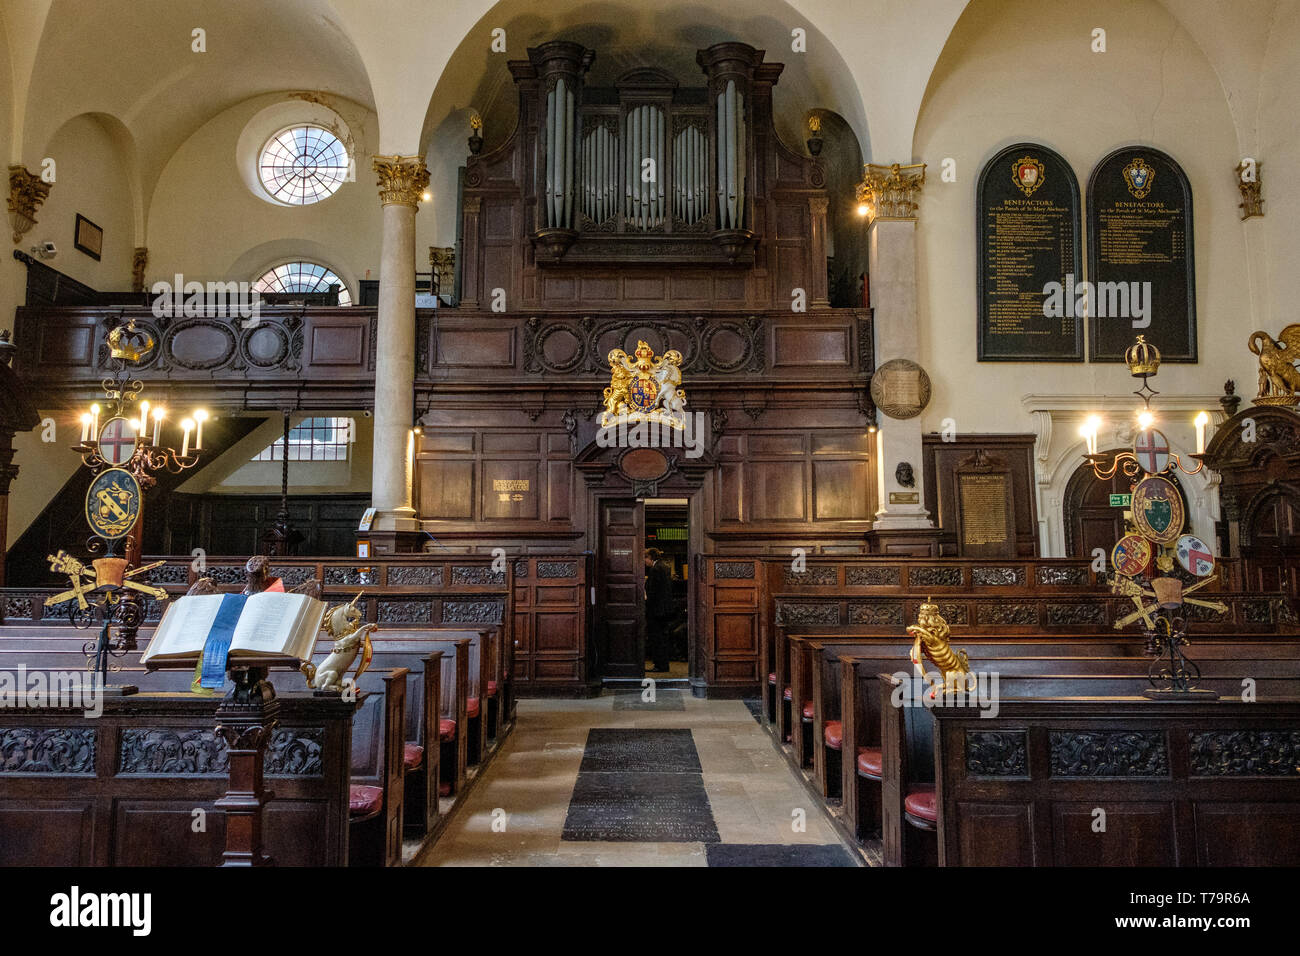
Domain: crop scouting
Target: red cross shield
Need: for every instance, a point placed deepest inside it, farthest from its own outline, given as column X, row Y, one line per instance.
column 117, row 441
column 1152, row 451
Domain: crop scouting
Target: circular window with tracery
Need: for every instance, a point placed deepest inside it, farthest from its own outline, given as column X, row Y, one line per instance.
column 302, row 277
column 303, row 164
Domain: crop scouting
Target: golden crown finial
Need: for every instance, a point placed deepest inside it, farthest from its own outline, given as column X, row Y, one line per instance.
column 129, row 343
column 1142, row 358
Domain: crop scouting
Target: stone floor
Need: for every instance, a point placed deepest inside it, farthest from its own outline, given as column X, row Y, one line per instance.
column 720, row 795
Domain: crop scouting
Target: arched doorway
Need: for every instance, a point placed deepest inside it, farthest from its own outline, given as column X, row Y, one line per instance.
column 1270, row 540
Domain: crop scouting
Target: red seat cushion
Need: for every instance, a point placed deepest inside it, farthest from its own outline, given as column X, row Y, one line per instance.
column 809, row 711
column 412, row 756
column 834, row 734
column 921, row 802
column 871, row 762
column 446, row 729
column 771, row 678
column 444, row 789
column 492, row 688
column 789, row 694
column 471, row 707
column 364, row 800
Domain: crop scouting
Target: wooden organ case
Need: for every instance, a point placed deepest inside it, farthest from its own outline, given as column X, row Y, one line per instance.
column 647, row 194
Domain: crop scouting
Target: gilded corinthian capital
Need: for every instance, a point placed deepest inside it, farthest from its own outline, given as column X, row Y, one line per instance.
column 26, row 192
column 402, row 179
column 891, row 192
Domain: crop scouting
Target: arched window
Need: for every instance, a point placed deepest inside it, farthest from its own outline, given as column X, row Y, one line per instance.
column 303, row 164
column 302, row 277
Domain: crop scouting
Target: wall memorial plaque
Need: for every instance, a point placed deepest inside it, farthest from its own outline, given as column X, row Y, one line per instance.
column 986, row 525
column 1027, row 231
column 1140, row 260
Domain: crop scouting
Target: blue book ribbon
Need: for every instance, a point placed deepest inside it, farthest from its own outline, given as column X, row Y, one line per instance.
column 217, row 647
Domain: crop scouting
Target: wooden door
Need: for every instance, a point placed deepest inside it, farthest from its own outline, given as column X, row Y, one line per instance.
column 620, row 598
column 1272, row 557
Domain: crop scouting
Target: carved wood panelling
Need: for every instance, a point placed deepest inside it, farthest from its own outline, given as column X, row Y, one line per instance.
column 997, row 753
column 291, row 752
column 1108, row 754
column 872, row 577
column 998, row 576
column 795, row 615
column 1245, row 753
column 733, row 570
column 876, row 613
column 1006, row 613
column 57, row 750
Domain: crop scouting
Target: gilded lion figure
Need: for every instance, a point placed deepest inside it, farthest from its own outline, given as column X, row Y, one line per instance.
column 1279, row 379
column 931, row 633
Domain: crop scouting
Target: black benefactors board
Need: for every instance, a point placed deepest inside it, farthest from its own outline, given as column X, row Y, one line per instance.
column 1140, row 232
column 1027, row 233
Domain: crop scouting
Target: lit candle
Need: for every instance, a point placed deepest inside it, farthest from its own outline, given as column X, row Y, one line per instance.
column 158, row 414
column 85, row 427
column 186, row 426
column 200, row 416
column 1202, row 420
column 94, row 421
column 144, row 420
column 1145, row 420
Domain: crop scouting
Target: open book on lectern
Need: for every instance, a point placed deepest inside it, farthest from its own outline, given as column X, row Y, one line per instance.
column 269, row 624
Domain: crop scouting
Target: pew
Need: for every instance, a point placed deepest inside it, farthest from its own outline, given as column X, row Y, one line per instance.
column 912, row 788
column 806, row 649
column 378, row 784
column 1202, row 784
column 121, row 789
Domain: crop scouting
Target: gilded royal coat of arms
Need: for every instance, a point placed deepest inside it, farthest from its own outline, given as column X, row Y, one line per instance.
column 645, row 388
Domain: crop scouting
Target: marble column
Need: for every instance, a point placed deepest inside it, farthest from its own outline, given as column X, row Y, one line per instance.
column 402, row 180
column 890, row 194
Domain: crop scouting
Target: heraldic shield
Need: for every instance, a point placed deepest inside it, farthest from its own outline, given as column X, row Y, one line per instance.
column 645, row 388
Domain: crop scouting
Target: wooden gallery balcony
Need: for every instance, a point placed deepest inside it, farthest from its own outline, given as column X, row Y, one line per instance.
column 324, row 357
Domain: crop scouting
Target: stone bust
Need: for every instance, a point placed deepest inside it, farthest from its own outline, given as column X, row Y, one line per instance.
column 903, row 475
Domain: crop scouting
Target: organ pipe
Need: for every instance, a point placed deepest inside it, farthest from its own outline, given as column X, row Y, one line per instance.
column 560, row 163
column 731, row 157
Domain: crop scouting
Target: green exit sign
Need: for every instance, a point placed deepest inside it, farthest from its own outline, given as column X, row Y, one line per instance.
column 1121, row 501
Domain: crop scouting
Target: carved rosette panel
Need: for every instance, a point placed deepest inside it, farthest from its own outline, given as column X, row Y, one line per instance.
column 1004, row 613
column 997, row 753
column 418, row 574
column 876, row 613
column 561, row 570
column 813, row 577
column 521, row 569
column 352, row 576
column 795, row 615
column 47, row 750
column 1059, row 615
column 1245, row 753
column 1052, row 575
column 405, row 612
column 872, row 577
column 472, row 612
column 935, row 577
column 475, row 576
column 733, row 571
column 708, row 345
column 1113, row 753
column 998, row 577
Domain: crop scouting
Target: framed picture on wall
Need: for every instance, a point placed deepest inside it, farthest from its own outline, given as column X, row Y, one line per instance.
column 89, row 238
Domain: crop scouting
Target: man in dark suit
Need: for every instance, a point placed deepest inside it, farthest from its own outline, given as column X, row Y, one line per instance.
column 659, row 608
